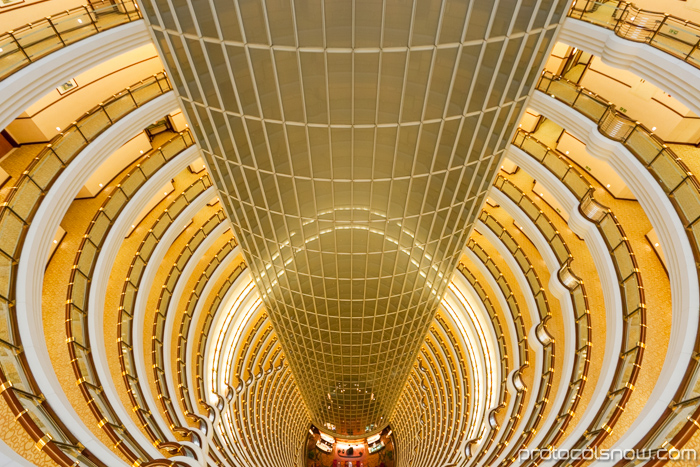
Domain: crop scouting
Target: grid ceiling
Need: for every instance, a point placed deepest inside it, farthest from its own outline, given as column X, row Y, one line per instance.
column 353, row 143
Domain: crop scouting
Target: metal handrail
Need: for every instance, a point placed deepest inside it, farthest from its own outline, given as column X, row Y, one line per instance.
column 25, row 45
column 16, row 214
column 683, row 190
column 85, row 259
column 673, row 35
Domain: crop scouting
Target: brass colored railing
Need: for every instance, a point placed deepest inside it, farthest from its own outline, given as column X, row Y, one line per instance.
column 16, row 213
column 503, row 354
column 183, row 360
column 671, row 34
column 540, row 296
column 81, row 273
column 682, row 419
column 634, row 329
column 523, row 351
column 620, row 249
column 25, row 45
column 127, row 311
column 159, row 367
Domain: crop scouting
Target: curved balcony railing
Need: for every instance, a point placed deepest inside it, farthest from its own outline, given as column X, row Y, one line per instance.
column 503, row 350
column 221, row 437
column 16, row 213
column 159, row 366
column 125, row 329
column 202, row 396
column 633, row 332
column 671, row 34
column 682, row 419
column 453, row 432
column 440, row 410
column 80, row 280
column 258, row 368
column 541, row 301
column 523, row 351
column 559, row 166
column 183, row 360
column 260, row 373
column 25, row 45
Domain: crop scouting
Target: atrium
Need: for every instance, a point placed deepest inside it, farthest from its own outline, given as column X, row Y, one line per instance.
column 349, row 233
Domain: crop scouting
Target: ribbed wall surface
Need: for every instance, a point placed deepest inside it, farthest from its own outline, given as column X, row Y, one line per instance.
column 353, row 143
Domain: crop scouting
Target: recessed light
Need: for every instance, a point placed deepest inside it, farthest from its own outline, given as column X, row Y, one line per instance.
column 80, row 21
column 100, row 185
column 142, row 151
column 56, row 241
column 656, row 244
column 58, row 129
column 653, row 128
column 133, row 226
column 608, row 185
column 567, row 152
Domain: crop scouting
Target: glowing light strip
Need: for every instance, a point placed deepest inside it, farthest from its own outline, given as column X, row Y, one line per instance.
column 491, row 393
column 222, row 334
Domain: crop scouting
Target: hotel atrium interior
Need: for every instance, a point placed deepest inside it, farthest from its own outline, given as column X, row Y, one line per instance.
column 349, row 233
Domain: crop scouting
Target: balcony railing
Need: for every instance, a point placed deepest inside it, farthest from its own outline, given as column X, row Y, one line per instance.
column 167, row 291
column 502, row 350
column 682, row 419
column 16, row 213
column 542, row 303
column 130, row 290
column 25, row 45
column 88, row 253
column 673, row 35
column 184, row 363
column 619, row 247
column 523, row 350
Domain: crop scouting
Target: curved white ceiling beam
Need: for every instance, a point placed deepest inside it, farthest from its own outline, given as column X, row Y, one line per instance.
column 21, row 89
column 36, row 249
column 674, row 242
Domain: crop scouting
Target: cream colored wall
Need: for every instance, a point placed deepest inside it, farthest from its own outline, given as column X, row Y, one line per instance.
column 643, row 101
column 114, row 164
column 599, row 169
column 689, row 9
column 40, row 121
column 556, row 59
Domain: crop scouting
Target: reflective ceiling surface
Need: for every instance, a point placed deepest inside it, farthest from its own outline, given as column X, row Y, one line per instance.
column 352, row 143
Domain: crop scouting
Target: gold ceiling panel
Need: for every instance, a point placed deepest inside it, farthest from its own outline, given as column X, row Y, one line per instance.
column 352, row 143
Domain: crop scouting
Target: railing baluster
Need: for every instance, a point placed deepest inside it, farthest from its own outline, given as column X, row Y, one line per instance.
column 19, row 46
column 58, row 34
column 92, row 20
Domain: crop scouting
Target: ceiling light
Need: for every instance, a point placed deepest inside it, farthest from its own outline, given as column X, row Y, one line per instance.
column 56, row 241
column 58, row 129
column 653, row 128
